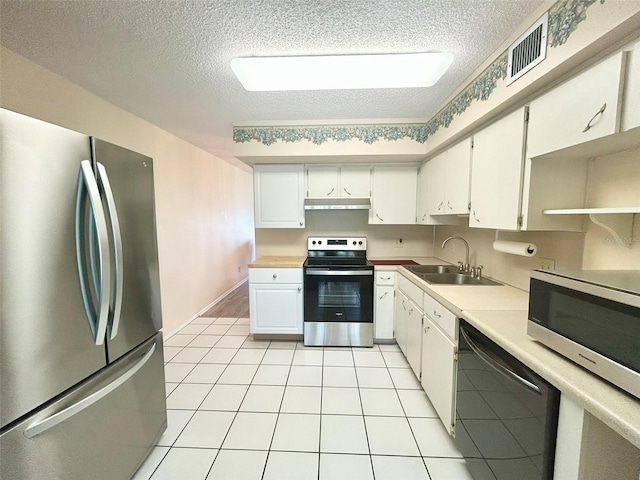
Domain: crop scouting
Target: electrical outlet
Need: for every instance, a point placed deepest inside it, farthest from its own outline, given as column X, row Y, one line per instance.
column 547, row 264
column 398, row 243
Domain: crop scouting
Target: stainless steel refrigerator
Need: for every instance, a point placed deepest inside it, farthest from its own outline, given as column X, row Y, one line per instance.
column 82, row 392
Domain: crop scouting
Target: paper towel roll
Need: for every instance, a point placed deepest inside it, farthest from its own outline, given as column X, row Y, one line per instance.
column 515, row 248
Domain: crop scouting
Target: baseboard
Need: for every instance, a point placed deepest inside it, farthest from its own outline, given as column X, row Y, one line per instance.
column 211, row 305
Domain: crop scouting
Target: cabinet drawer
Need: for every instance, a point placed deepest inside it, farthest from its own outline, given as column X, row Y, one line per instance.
column 275, row 275
column 411, row 290
column 385, row 277
column 441, row 317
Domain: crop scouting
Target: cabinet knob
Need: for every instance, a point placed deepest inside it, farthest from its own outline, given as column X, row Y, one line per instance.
column 300, row 223
column 299, row 289
column 275, row 276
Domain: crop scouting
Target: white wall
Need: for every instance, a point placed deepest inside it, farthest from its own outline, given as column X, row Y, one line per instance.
column 204, row 205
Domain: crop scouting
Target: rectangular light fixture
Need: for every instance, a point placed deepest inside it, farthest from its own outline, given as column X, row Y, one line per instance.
column 332, row 72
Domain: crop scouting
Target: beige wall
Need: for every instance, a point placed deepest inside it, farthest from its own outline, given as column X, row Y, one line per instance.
column 417, row 241
column 204, row 205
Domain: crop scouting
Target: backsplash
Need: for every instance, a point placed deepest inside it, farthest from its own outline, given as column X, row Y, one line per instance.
column 417, row 241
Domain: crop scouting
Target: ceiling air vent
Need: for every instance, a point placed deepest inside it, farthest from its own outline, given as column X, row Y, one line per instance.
column 528, row 51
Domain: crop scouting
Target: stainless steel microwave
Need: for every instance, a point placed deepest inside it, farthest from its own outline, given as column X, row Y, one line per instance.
column 592, row 317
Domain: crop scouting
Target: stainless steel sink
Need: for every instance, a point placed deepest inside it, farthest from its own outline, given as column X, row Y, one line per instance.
column 456, row 279
column 438, row 269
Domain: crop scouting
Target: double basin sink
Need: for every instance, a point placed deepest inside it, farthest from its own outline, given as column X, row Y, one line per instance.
column 447, row 275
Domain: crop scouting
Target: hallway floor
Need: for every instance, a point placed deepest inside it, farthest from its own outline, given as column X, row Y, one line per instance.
column 240, row 409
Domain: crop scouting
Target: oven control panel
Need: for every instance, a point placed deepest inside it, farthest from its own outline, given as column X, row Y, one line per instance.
column 333, row 243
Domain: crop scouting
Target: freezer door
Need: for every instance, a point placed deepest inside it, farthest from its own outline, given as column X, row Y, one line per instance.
column 102, row 430
column 129, row 180
column 46, row 343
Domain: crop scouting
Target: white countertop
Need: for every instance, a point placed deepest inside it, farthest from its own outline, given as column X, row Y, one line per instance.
column 500, row 312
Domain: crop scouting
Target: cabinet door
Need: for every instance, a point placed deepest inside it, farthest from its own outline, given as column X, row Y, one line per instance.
column 322, row 182
column 384, row 312
column 458, row 178
column 355, row 181
column 275, row 308
column 394, row 195
column 414, row 338
column 582, row 109
column 439, row 371
column 496, row 178
column 423, row 193
column 402, row 316
column 436, row 171
column 279, row 196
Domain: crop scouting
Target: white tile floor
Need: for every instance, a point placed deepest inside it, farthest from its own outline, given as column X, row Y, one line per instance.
column 240, row 409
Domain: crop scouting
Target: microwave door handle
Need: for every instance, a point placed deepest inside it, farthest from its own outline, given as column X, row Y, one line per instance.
column 88, row 187
column 492, row 362
column 112, row 216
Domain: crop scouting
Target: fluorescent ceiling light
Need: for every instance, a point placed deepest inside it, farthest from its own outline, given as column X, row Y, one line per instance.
column 331, row 72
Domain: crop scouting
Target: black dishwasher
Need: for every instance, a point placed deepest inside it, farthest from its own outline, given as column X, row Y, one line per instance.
column 506, row 415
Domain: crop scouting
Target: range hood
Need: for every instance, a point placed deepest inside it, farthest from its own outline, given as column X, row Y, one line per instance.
column 337, row 204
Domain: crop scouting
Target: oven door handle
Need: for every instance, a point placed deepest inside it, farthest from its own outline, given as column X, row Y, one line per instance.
column 353, row 273
column 492, row 362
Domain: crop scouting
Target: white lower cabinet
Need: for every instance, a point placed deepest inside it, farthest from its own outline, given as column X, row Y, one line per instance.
column 384, row 305
column 439, row 371
column 275, row 300
column 402, row 317
column 414, row 338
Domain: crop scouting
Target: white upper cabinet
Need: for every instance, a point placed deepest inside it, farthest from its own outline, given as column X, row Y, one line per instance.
column 348, row 181
column 279, row 196
column 355, row 181
column 444, row 185
column 584, row 108
column 322, row 182
column 423, row 193
column 394, row 195
column 496, row 177
column 436, row 172
column 457, row 178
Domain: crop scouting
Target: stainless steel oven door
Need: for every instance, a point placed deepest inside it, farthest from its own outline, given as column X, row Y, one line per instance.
column 338, row 307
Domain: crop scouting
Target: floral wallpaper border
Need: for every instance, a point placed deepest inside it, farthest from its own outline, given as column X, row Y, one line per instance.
column 564, row 18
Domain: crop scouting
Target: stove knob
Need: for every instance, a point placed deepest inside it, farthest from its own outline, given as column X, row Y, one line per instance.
column 314, row 242
column 354, row 242
column 360, row 242
column 319, row 242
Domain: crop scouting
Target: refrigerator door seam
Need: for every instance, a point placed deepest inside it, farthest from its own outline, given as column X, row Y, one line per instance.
column 112, row 215
column 53, row 420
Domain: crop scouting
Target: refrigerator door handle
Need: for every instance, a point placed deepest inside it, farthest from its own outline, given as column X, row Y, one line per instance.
column 66, row 413
column 88, row 186
column 112, row 215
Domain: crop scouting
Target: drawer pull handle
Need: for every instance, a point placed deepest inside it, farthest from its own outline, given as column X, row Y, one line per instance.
column 379, row 218
column 346, row 191
column 440, row 206
column 330, row 191
column 600, row 112
column 475, row 217
column 426, row 329
column 436, row 314
column 383, row 295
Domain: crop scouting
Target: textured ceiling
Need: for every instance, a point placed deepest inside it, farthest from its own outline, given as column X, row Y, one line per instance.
column 169, row 61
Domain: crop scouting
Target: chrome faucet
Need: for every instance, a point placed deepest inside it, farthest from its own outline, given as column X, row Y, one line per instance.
column 465, row 266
